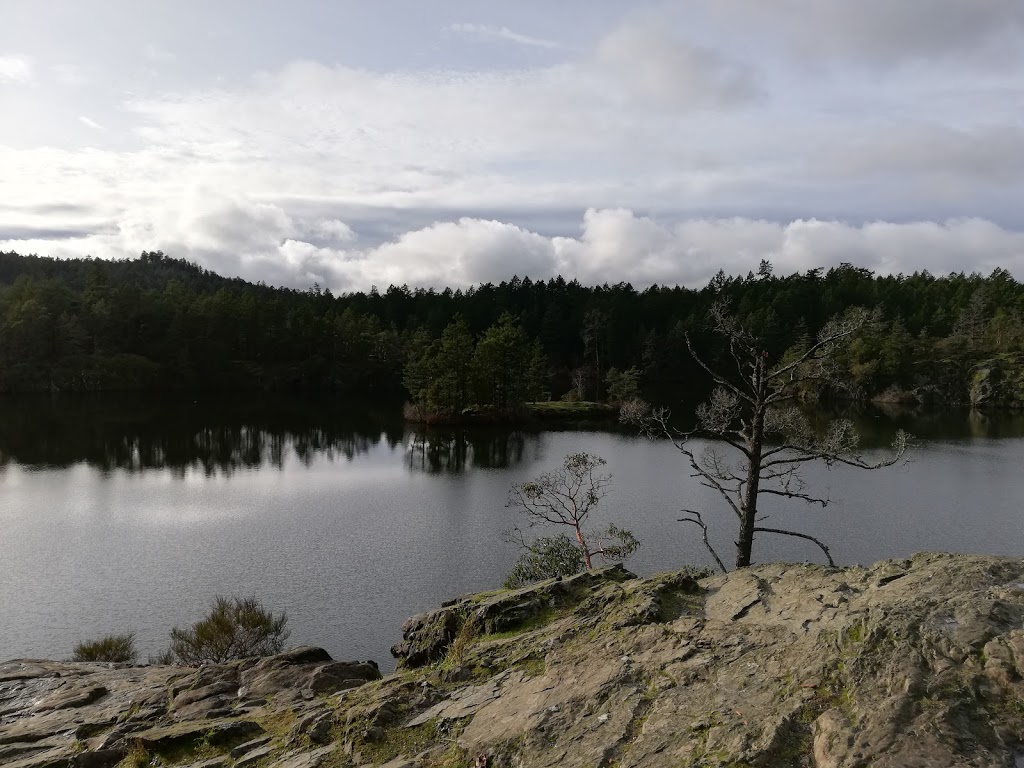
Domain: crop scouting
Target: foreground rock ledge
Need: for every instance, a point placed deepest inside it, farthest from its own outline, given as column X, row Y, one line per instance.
column 906, row 663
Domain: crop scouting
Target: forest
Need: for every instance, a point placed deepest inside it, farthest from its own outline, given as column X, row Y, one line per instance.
column 160, row 323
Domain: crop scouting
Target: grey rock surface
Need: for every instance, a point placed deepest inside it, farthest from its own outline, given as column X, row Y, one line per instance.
column 916, row 662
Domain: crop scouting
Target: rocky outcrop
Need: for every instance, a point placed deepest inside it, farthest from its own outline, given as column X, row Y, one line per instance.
column 91, row 715
column 998, row 383
column 428, row 637
column 915, row 662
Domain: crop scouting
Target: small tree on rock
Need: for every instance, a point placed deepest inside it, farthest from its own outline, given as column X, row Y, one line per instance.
column 566, row 497
column 750, row 416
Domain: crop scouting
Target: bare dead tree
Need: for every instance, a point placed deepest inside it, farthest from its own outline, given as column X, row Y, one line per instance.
column 759, row 439
column 565, row 497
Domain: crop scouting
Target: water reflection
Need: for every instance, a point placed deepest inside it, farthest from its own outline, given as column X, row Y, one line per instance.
column 209, row 435
column 439, row 451
column 222, row 436
column 877, row 423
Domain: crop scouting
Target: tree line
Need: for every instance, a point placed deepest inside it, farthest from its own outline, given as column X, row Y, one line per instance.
column 157, row 322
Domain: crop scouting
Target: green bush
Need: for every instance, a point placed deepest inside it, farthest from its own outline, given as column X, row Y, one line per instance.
column 117, row 648
column 546, row 558
column 235, row 628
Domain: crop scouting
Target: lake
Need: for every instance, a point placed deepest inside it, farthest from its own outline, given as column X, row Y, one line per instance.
column 131, row 514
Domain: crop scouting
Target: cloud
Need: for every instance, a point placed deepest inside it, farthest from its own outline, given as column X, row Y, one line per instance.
column 158, row 55
column 684, row 157
column 991, row 154
column 617, row 245
column 489, row 33
column 334, row 231
column 262, row 242
column 16, row 69
column 90, row 123
column 659, row 69
column 70, row 75
column 881, row 33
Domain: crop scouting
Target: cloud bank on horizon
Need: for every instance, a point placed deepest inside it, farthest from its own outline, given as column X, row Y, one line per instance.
column 452, row 143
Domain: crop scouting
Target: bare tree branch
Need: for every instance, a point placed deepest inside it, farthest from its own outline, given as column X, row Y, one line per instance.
column 716, row 377
column 792, row 495
column 828, row 555
column 696, row 519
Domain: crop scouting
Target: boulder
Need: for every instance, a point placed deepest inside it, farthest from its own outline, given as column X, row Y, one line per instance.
column 310, row 670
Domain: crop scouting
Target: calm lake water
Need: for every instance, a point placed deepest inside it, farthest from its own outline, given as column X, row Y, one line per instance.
column 120, row 514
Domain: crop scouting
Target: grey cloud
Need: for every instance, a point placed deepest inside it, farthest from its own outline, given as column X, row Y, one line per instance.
column 886, row 32
column 658, row 69
column 50, row 233
column 989, row 154
column 239, row 225
column 47, row 209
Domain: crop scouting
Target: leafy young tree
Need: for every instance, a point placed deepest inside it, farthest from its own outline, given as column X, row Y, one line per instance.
column 235, row 628
column 565, row 497
column 750, row 415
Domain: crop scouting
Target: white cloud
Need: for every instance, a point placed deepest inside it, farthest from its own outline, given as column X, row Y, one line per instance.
column 335, row 230
column 260, row 241
column 490, row 33
column 16, row 69
column 90, row 123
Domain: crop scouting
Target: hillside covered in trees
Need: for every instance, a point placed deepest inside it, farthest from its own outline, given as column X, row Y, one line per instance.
column 158, row 323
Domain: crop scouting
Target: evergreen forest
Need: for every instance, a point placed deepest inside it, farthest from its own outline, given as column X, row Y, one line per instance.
column 160, row 323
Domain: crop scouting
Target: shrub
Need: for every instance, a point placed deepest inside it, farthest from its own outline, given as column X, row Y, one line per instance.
column 546, row 558
column 235, row 628
column 165, row 658
column 117, row 648
column 698, row 572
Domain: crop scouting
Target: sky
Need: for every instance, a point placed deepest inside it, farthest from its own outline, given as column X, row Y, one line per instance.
column 454, row 142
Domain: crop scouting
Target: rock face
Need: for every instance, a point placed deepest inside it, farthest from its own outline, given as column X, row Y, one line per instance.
column 998, row 383
column 906, row 663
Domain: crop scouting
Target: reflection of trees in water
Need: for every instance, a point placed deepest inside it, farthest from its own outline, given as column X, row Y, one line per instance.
column 437, row 451
column 877, row 422
column 212, row 436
